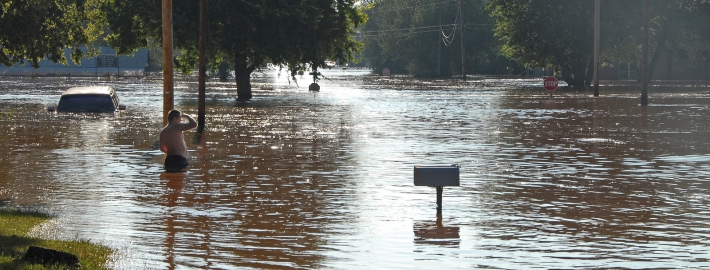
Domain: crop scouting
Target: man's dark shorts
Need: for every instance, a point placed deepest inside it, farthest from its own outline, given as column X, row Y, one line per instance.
column 174, row 163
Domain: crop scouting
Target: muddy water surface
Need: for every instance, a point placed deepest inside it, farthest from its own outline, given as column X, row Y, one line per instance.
column 295, row 179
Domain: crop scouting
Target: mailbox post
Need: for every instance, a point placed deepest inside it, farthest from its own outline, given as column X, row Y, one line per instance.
column 437, row 176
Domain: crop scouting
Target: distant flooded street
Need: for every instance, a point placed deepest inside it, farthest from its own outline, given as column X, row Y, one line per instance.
column 297, row 179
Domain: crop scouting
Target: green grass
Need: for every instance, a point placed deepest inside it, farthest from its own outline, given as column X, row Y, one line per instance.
column 14, row 226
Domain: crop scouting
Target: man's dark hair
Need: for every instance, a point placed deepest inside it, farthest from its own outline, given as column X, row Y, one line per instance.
column 172, row 114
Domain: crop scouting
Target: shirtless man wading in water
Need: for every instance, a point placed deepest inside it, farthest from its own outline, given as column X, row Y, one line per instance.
column 172, row 142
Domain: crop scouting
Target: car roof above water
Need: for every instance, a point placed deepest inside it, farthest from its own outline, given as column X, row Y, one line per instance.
column 89, row 90
column 89, row 99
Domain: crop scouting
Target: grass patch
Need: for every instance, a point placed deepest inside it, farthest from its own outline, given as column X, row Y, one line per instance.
column 6, row 114
column 14, row 226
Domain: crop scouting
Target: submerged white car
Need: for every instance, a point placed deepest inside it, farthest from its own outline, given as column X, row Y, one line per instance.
column 89, row 99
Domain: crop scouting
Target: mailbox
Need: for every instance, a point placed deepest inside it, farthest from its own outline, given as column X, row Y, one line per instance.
column 436, row 176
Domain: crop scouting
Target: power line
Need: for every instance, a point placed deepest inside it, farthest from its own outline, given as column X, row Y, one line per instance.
column 421, row 29
column 406, row 29
column 370, row 34
column 422, row 12
column 424, row 27
column 448, row 40
column 412, row 7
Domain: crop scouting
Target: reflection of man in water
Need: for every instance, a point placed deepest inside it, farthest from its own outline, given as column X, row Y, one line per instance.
column 172, row 142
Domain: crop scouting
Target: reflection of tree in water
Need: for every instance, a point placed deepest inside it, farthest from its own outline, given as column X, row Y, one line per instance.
column 266, row 188
column 582, row 167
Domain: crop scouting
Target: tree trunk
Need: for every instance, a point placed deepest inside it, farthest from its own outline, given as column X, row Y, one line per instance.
column 652, row 66
column 574, row 72
column 669, row 66
column 589, row 73
column 659, row 48
column 638, row 72
column 567, row 75
column 574, row 76
column 242, row 74
column 223, row 71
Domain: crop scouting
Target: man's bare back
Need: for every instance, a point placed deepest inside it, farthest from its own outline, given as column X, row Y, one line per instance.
column 172, row 142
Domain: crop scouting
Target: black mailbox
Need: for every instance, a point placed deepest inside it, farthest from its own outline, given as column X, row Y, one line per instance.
column 436, row 176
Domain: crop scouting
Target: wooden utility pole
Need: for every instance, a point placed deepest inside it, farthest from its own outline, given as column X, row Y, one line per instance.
column 644, row 52
column 202, row 68
column 168, row 95
column 438, row 59
column 597, row 7
column 463, row 50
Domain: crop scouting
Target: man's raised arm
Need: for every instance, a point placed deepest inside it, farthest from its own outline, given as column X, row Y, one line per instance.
column 190, row 125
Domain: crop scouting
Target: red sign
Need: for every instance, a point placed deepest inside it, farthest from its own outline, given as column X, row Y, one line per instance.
column 550, row 83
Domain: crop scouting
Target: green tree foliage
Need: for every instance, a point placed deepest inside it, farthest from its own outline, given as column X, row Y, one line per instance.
column 680, row 31
column 404, row 36
column 32, row 30
column 548, row 33
column 248, row 34
column 561, row 33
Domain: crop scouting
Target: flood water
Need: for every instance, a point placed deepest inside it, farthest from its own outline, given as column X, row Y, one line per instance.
column 296, row 179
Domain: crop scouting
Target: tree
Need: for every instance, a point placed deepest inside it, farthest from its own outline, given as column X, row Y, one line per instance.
column 248, row 34
column 560, row 33
column 678, row 31
column 681, row 31
column 548, row 33
column 32, row 30
column 405, row 37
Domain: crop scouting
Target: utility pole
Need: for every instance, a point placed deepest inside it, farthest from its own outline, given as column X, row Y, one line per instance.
column 597, row 8
column 463, row 50
column 644, row 52
column 438, row 59
column 202, row 68
column 168, row 95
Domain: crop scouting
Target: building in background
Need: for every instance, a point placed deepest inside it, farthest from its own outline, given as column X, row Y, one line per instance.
column 107, row 63
column 666, row 69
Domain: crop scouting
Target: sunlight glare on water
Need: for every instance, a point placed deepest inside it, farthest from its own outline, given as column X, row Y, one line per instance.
column 298, row 179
